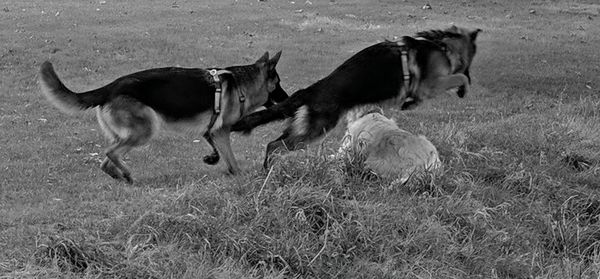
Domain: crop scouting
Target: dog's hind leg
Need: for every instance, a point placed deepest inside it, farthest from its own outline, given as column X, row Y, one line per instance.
column 107, row 166
column 277, row 145
column 111, row 169
column 127, row 124
column 285, row 144
column 411, row 104
column 214, row 157
column 222, row 143
column 305, row 128
column 137, row 136
column 113, row 154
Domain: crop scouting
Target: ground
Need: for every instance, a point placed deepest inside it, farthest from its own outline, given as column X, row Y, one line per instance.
column 519, row 197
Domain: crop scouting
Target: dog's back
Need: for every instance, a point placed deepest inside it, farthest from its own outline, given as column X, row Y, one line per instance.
column 388, row 150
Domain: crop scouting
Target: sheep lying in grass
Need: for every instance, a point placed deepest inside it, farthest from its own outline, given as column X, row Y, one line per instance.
column 385, row 149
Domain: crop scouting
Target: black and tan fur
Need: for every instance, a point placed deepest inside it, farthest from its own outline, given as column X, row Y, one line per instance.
column 373, row 75
column 131, row 109
column 460, row 48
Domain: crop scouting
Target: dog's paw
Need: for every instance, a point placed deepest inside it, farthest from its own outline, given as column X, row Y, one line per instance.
column 115, row 176
column 112, row 170
column 128, row 178
column 211, row 159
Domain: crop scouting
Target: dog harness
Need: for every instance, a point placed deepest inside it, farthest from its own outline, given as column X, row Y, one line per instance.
column 216, row 73
column 405, row 72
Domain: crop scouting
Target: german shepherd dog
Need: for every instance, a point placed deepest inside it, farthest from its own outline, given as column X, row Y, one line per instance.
column 131, row 108
column 437, row 61
column 460, row 49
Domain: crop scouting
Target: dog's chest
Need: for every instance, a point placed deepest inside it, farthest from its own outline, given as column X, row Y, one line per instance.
column 197, row 125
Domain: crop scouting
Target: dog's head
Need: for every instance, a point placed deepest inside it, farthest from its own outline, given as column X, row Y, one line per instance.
column 460, row 47
column 272, row 85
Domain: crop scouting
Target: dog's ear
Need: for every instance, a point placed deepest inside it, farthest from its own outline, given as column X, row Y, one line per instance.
column 263, row 59
column 473, row 34
column 275, row 58
column 273, row 61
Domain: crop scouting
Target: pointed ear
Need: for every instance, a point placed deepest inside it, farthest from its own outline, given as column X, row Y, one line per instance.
column 474, row 34
column 275, row 58
column 263, row 59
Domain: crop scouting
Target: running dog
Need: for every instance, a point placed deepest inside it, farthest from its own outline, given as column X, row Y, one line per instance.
column 460, row 48
column 387, row 72
column 131, row 109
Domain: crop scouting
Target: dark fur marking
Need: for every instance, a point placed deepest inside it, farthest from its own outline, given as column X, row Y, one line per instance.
column 129, row 108
column 373, row 75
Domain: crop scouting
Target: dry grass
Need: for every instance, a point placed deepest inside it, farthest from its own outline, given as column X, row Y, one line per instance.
column 518, row 197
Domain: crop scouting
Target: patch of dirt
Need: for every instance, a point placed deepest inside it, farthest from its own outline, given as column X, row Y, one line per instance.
column 317, row 22
column 575, row 8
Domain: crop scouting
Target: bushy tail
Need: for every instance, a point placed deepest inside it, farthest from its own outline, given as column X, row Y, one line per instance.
column 63, row 98
column 276, row 112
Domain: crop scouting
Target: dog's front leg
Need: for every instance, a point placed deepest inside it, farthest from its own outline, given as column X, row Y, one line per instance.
column 452, row 81
column 462, row 91
column 214, row 157
column 222, row 143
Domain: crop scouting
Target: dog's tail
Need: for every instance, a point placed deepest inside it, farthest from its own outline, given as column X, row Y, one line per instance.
column 276, row 112
column 63, row 98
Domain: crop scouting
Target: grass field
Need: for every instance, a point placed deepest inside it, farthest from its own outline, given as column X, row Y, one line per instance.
column 519, row 198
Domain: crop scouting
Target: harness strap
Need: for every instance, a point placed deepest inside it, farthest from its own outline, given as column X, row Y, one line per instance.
column 219, row 90
column 215, row 73
column 405, row 72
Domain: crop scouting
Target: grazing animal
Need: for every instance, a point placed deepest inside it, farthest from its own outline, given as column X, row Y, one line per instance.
column 131, row 109
column 387, row 150
column 387, row 72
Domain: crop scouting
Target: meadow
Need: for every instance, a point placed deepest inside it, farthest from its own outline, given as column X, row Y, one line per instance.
column 519, row 196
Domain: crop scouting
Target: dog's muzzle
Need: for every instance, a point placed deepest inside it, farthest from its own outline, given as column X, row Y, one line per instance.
column 276, row 96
